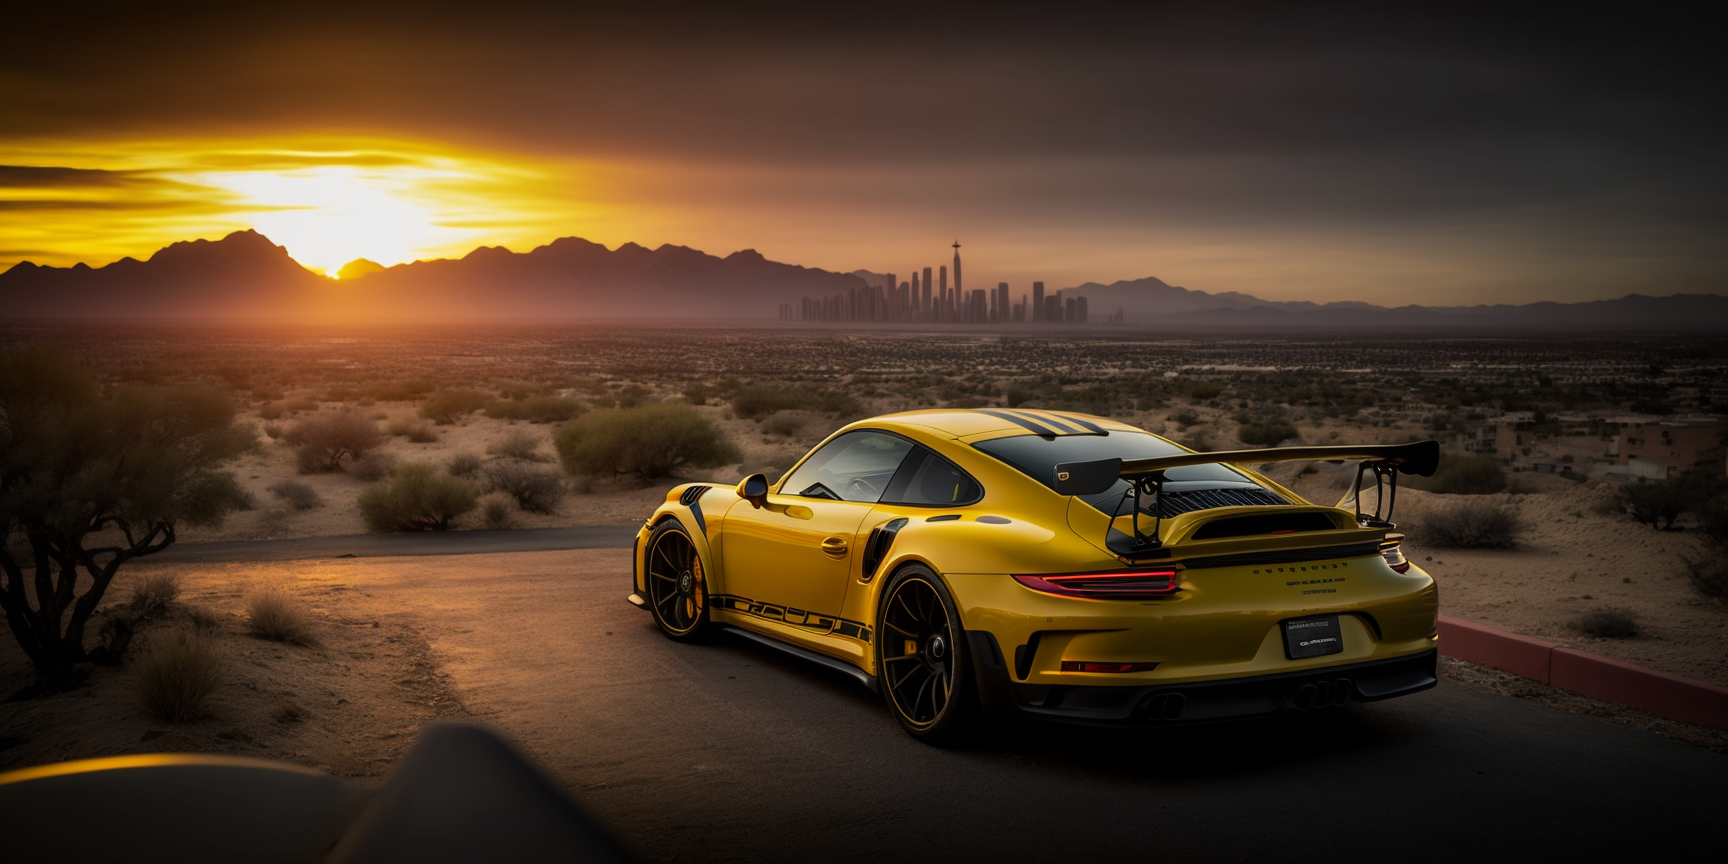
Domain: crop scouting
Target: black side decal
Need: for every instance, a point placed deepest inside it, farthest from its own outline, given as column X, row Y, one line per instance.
column 795, row 617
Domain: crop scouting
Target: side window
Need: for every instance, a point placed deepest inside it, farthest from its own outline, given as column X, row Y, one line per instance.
column 928, row 480
column 856, row 466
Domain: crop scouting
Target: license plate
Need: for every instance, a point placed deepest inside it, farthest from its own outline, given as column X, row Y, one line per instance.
column 1312, row 637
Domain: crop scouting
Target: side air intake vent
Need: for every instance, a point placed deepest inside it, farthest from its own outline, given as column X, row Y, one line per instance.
column 693, row 493
column 1173, row 503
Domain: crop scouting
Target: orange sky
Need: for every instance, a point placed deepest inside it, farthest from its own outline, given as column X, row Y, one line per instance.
column 1395, row 161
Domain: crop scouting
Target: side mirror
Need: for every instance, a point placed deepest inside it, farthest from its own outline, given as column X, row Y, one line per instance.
column 754, row 489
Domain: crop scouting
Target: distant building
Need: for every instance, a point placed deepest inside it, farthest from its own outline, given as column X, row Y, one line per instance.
column 1037, row 301
column 957, row 265
column 1666, row 448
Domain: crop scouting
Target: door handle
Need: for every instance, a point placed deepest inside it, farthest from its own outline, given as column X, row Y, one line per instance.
column 835, row 546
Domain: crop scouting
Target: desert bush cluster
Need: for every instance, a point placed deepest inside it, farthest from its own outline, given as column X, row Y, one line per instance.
column 1471, row 525
column 323, row 442
column 648, row 442
column 758, row 401
column 534, row 488
column 1464, row 474
column 416, row 497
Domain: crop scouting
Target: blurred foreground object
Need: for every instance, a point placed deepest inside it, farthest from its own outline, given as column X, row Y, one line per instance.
column 461, row 794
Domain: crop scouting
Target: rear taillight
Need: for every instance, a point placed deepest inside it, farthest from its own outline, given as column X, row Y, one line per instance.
column 1089, row 666
column 1111, row 585
column 1394, row 555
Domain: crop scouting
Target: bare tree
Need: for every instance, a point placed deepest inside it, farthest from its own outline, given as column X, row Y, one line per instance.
column 91, row 478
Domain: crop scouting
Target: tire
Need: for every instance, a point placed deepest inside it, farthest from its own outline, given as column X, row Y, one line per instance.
column 676, row 584
column 924, row 666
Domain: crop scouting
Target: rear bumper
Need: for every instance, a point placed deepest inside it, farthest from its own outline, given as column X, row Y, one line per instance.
column 1195, row 702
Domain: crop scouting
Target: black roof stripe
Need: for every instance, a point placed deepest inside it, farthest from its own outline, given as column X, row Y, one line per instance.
column 1035, row 428
column 1085, row 424
column 1051, row 418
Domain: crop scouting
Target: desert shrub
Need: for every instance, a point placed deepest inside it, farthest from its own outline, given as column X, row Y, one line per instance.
column 272, row 614
column 519, row 444
column 300, row 496
column 1710, row 574
column 270, row 411
column 783, row 423
column 535, row 489
column 1471, row 526
column 1183, row 419
column 1464, row 474
column 416, row 498
column 650, row 442
column 463, row 464
column 153, row 594
column 758, row 401
column 372, row 467
column 537, row 409
column 273, row 430
column 401, row 391
column 299, row 405
column 416, row 431
column 1658, row 503
column 496, row 511
column 698, row 394
column 1265, row 434
column 1204, row 392
column 178, row 673
column 448, row 406
column 324, row 441
column 1609, row 623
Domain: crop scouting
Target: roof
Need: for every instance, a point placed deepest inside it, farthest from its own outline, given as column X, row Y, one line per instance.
column 988, row 422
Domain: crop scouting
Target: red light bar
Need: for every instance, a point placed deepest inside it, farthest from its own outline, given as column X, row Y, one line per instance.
column 1111, row 585
column 1089, row 666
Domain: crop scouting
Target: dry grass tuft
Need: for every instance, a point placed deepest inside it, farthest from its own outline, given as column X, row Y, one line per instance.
column 154, row 594
column 497, row 511
column 272, row 614
column 178, row 673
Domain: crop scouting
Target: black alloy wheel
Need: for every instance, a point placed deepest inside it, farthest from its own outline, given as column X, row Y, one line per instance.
column 677, row 588
column 922, row 662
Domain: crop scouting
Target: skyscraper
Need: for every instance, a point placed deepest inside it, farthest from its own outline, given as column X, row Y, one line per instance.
column 956, row 265
column 1037, row 301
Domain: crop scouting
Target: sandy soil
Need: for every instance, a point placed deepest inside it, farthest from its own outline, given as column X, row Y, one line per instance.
column 349, row 704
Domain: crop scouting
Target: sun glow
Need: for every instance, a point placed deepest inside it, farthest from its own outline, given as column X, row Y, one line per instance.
column 329, row 215
column 329, row 201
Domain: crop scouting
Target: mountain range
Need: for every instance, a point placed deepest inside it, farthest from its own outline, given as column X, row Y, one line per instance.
column 245, row 275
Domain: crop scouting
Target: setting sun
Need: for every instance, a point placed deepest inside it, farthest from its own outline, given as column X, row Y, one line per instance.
column 330, row 215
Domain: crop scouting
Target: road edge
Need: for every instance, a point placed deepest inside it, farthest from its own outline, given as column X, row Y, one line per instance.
column 1588, row 674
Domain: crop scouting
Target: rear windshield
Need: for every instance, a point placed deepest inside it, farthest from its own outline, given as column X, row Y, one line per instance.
column 1037, row 457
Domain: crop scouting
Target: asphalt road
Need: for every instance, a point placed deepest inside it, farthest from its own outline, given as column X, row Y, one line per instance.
column 394, row 545
column 731, row 751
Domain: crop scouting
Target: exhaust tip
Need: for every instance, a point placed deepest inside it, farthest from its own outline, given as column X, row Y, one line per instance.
column 1342, row 690
column 1305, row 697
column 1172, row 706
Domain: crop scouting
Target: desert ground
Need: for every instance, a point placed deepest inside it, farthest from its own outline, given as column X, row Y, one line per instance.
column 377, row 667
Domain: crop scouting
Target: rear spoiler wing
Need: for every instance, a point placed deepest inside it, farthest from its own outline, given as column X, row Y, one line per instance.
column 1146, row 476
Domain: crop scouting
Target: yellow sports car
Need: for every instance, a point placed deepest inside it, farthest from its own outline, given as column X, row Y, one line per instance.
column 1055, row 566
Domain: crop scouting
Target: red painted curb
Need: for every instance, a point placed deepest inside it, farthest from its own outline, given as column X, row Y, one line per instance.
column 1597, row 677
column 1656, row 692
column 1520, row 655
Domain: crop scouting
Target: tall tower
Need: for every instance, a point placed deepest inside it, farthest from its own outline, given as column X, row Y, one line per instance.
column 956, row 266
column 1037, row 301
